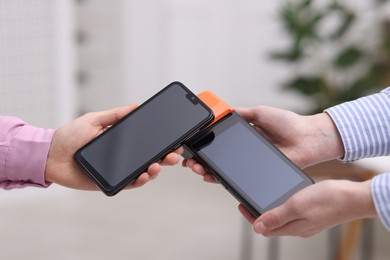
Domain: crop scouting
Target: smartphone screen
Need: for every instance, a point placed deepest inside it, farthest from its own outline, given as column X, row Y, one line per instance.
column 119, row 155
column 248, row 165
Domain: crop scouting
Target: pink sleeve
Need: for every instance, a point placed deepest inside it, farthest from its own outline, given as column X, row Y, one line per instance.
column 23, row 153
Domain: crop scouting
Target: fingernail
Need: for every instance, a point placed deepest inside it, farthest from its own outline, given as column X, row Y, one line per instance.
column 259, row 227
column 190, row 164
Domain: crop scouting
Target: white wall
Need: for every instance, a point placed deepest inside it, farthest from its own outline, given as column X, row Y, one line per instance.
column 218, row 45
column 134, row 48
column 36, row 79
column 99, row 51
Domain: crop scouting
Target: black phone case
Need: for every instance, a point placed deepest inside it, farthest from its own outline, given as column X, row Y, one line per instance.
column 112, row 190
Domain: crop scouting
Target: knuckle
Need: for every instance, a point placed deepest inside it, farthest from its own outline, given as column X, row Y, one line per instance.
column 273, row 221
column 293, row 206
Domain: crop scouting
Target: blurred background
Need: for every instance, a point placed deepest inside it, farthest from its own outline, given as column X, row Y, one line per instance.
column 62, row 58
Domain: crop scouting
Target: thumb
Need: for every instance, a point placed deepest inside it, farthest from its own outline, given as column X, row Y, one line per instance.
column 248, row 114
column 273, row 219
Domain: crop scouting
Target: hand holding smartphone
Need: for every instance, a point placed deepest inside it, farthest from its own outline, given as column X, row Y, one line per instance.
column 250, row 167
column 119, row 155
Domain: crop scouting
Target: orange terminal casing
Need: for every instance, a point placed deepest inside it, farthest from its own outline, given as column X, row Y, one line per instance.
column 220, row 108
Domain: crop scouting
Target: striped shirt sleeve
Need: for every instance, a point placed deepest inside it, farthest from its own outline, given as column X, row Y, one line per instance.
column 364, row 126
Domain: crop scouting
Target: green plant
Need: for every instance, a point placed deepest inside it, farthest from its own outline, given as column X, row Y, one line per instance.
column 336, row 63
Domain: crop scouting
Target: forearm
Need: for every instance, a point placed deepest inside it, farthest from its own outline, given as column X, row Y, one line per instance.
column 23, row 153
column 364, row 126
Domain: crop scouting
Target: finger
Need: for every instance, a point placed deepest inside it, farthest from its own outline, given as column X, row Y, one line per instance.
column 141, row 180
column 170, row 159
column 294, row 228
column 173, row 157
column 154, row 170
column 273, row 219
column 248, row 216
column 184, row 163
column 189, row 163
column 109, row 117
column 199, row 169
column 179, row 150
column 151, row 174
column 249, row 114
column 210, row 178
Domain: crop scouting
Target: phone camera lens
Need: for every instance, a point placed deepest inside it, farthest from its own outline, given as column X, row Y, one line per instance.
column 192, row 98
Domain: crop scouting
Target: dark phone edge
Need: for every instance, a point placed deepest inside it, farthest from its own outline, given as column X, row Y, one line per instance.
column 81, row 162
column 191, row 152
column 221, row 180
column 110, row 190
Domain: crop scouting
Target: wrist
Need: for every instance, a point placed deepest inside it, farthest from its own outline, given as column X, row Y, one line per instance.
column 326, row 141
column 351, row 200
column 50, row 161
column 361, row 192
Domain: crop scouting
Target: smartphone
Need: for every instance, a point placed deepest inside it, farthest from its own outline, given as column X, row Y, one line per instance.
column 119, row 155
column 246, row 163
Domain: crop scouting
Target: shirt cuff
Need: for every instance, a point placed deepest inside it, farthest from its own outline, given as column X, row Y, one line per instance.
column 380, row 189
column 364, row 126
column 27, row 158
